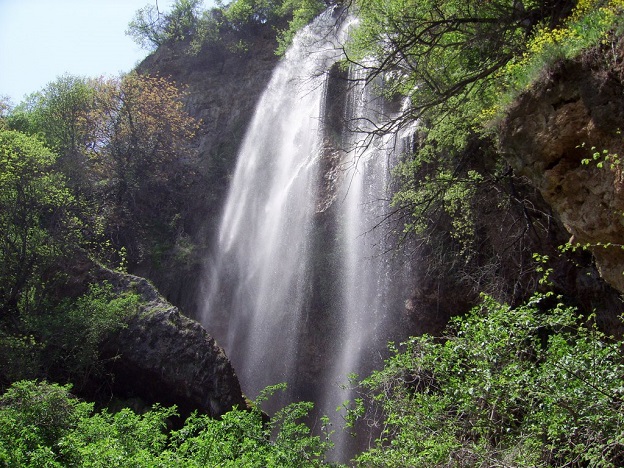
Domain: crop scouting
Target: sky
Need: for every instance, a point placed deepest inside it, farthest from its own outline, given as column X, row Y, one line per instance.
column 41, row 40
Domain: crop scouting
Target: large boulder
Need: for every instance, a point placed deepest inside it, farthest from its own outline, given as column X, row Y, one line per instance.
column 161, row 356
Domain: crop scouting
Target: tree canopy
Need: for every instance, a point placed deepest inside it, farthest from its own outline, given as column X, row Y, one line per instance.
column 151, row 28
column 37, row 219
column 186, row 21
column 439, row 53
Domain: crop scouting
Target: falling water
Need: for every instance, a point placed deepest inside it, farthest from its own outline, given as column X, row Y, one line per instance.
column 298, row 290
column 258, row 283
column 375, row 278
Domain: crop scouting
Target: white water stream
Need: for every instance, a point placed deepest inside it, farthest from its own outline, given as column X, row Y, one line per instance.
column 261, row 278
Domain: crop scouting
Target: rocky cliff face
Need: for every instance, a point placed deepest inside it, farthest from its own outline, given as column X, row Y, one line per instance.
column 222, row 85
column 575, row 111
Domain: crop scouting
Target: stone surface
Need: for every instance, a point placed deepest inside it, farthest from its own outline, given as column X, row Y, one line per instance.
column 223, row 86
column 575, row 110
column 162, row 356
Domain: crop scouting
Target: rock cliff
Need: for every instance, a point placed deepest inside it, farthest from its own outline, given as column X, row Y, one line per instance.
column 551, row 134
column 222, row 84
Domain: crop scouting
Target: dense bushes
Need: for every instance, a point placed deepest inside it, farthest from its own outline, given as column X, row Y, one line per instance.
column 41, row 424
column 535, row 385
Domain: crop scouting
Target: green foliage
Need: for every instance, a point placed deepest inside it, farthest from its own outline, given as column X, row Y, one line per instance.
column 441, row 57
column 5, row 107
column 535, row 385
column 457, row 65
column 61, row 340
column 120, row 439
column 58, row 115
column 43, row 425
column 591, row 23
column 440, row 49
column 56, row 112
column 37, row 223
column 208, row 31
column 602, row 158
column 241, row 13
column 433, row 187
column 118, row 140
column 71, row 332
column 33, row 418
column 244, row 13
column 151, row 28
column 302, row 13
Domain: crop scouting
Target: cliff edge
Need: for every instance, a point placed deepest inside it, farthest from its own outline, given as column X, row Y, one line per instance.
column 564, row 136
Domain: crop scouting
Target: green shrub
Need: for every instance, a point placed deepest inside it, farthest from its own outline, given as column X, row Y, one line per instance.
column 61, row 341
column 41, row 424
column 525, row 386
column 33, row 419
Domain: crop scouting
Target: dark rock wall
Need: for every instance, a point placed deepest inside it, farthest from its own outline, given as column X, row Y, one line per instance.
column 223, row 86
column 574, row 111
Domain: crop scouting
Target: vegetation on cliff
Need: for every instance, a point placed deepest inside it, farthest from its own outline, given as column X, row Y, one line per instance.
column 533, row 386
column 456, row 66
column 187, row 22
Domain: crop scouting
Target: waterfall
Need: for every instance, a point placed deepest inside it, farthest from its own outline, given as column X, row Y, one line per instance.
column 375, row 278
column 301, row 287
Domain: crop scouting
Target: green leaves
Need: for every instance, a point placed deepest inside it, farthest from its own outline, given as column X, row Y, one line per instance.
column 33, row 418
column 35, row 217
column 62, row 341
column 436, row 49
column 151, row 28
column 302, row 13
column 533, row 385
column 43, row 425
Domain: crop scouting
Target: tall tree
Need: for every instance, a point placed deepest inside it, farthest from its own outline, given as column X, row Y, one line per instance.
column 123, row 145
column 141, row 154
column 441, row 52
column 59, row 114
column 37, row 225
column 141, row 140
column 151, row 28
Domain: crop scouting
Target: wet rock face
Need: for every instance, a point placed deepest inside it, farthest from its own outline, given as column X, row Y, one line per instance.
column 574, row 112
column 162, row 356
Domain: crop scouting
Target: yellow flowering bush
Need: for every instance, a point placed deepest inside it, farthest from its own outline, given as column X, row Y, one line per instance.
column 591, row 23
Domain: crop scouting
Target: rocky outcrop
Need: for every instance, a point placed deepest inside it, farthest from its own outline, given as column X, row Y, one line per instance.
column 222, row 83
column 162, row 356
column 570, row 114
